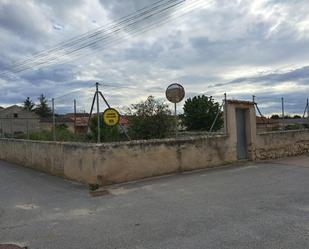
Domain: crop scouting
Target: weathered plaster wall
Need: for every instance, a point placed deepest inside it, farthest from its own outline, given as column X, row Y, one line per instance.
column 281, row 144
column 118, row 162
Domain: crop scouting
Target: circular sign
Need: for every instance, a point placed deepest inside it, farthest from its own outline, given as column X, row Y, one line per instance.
column 111, row 117
column 175, row 93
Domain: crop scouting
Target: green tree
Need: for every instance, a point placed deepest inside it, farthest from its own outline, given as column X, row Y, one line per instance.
column 150, row 119
column 28, row 104
column 107, row 133
column 200, row 113
column 42, row 108
column 275, row 116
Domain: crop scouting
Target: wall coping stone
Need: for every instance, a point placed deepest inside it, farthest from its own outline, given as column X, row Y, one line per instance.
column 124, row 143
column 283, row 132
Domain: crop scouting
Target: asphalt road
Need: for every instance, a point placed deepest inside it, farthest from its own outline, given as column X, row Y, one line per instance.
column 264, row 205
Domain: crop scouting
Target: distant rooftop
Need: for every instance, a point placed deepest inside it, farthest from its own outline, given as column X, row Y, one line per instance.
column 236, row 101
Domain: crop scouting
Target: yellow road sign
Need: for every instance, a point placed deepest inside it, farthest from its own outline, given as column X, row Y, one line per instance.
column 111, row 117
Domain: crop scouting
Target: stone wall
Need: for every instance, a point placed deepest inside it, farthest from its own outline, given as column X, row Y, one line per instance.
column 119, row 162
column 281, row 144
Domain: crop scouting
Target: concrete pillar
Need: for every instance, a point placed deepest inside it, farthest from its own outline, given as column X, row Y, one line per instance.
column 231, row 124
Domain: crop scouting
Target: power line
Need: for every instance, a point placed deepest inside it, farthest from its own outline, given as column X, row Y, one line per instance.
column 130, row 27
column 84, row 41
column 92, row 43
column 87, row 34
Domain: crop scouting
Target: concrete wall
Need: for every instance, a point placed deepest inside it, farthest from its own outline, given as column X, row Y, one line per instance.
column 110, row 163
column 281, row 144
column 230, row 122
column 118, row 162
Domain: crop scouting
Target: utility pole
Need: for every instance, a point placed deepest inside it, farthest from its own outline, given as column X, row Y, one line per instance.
column 74, row 116
column 96, row 95
column 54, row 121
column 98, row 110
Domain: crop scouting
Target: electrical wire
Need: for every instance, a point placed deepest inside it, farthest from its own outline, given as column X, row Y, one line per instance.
column 112, row 41
column 115, row 28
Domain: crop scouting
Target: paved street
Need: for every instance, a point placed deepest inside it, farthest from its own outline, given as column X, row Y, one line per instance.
column 254, row 205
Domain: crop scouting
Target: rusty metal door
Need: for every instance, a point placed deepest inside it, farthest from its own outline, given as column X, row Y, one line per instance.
column 241, row 134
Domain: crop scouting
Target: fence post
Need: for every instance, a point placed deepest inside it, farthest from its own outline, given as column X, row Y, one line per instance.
column 282, row 105
column 1, row 127
column 27, row 128
column 12, row 128
column 225, row 114
column 54, row 121
column 74, row 116
column 308, row 108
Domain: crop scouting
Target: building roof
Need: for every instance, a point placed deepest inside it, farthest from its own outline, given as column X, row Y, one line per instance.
column 12, row 107
column 17, row 109
column 236, row 101
column 264, row 120
column 71, row 115
column 124, row 120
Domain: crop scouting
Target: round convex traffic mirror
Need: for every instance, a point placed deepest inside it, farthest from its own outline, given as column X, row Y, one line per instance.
column 175, row 93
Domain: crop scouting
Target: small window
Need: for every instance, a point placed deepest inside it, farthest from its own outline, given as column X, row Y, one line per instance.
column 15, row 115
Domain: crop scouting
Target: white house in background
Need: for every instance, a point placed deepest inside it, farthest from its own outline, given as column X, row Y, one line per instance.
column 16, row 120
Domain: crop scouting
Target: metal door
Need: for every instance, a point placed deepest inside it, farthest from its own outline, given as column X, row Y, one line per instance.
column 241, row 134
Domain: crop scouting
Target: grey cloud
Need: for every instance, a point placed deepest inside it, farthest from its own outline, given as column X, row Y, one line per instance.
column 122, row 8
column 200, row 52
column 22, row 19
column 299, row 75
column 57, row 73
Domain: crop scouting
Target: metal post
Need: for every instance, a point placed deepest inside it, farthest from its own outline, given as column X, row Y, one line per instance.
column 28, row 136
column 225, row 112
column 216, row 118
column 120, row 125
column 12, row 128
column 75, row 116
column 98, row 110
column 54, row 121
column 253, row 99
column 28, row 128
column 308, row 108
column 282, row 104
column 91, row 109
column 1, row 128
column 176, row 120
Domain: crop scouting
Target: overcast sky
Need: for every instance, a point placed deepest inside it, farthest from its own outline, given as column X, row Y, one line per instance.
column 241, row 47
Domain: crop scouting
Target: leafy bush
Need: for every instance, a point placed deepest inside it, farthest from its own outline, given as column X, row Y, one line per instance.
column 200, row 113
column 107, row 133
column 150, row 119
column 62, row 134
column 294, row 127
